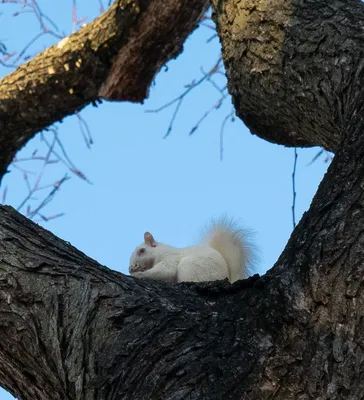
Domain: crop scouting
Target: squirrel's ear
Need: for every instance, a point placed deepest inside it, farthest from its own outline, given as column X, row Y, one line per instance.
column 149, row 239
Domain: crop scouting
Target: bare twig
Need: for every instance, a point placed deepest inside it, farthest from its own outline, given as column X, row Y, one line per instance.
column 56, row 187
column 216, row 106
column 328, row 156
column 102, row 8
column 85, row 130
column 46, row 219
column 55, row 150
column 56, row 153
column 34, row 188
column 5, row 191
column 65, row 159
column 47, row 27
column 222, row 131
column 206, row 76
column 294, row 188
column 74, row 15
column 75, row 20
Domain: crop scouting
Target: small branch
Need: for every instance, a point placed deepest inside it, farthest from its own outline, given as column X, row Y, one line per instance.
column 328, row 156
column 193, row 85
column 222, row 131
column 31, row 7
column 294, row 188
column 215, row 107
column 48, row 199
column 102, row 8
column 85, row 130
column 65, row 159
column 47, row 159
column 5, row 191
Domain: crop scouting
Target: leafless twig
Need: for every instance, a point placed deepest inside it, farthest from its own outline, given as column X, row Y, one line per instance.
column 230, row 116
column 328, row 156
column 47, row 27
column 206, row 76
column 294, row 188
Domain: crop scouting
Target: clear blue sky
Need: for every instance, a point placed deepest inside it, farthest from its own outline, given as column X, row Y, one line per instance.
column 170, row 187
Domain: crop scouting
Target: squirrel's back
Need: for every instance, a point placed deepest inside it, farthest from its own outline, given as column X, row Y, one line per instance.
column 232, row 242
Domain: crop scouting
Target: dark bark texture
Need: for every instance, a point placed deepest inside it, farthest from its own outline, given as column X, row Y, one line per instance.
column 115, row 58
column 72, row 329
column 294, row 67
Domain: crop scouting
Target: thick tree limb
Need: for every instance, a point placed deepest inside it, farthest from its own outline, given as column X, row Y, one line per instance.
column 70, row 328
column 115, row 57
column 295, row 68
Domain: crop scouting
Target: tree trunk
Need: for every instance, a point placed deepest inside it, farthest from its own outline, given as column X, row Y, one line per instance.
column 72, row 329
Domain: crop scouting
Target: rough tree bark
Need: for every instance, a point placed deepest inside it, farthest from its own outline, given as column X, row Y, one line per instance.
column 72, row 329
column 115, row 58
column 294, row 67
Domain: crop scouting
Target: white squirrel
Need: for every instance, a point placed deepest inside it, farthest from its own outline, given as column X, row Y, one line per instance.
column 225, row 252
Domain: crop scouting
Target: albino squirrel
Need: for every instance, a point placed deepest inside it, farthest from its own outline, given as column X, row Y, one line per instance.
column 224, row 252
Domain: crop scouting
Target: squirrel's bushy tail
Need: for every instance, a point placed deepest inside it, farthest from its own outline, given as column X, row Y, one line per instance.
column 232, row 242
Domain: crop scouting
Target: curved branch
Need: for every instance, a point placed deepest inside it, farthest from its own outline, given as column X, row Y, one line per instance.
column 115, row 57
column 70, row 328
column 295, row 68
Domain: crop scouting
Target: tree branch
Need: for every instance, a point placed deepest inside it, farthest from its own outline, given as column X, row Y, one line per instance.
column 70, row 328
column 116, row 57
column 293, row 67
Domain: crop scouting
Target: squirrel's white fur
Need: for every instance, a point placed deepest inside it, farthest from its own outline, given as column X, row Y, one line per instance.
column 224, row 252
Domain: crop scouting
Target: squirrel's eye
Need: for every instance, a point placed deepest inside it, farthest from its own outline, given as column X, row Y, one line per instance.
column 141, row 251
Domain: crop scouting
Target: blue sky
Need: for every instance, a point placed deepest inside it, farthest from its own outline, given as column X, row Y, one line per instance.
column 171, row 186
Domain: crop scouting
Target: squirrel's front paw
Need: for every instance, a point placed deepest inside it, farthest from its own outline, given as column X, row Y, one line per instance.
column 133, row 268
column 136, row 268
